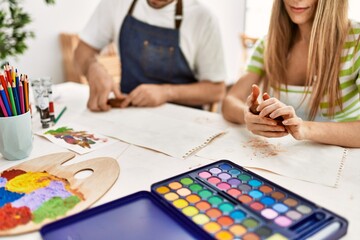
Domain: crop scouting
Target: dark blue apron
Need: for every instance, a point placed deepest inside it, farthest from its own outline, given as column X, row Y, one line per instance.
column 152, row 54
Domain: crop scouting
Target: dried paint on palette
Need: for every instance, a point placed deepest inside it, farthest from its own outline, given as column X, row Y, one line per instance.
column 33, row 197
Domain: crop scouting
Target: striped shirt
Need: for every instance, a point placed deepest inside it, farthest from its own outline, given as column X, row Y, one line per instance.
column 349, row 77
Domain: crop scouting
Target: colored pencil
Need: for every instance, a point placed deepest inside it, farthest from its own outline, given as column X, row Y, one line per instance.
column 21, row 98
column 3, row 108
column 13, row 75
column 7, row 72
column 26, row 94
column 60, row 114
column 17, row 80
column 4, row 84
column 5, row 100
column 13, row 107
column 16, row 98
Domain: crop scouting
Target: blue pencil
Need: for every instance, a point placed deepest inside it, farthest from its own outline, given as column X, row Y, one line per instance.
column 5, row 100
column 16, row 98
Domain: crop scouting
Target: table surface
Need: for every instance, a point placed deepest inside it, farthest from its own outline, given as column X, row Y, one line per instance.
column 140, row 167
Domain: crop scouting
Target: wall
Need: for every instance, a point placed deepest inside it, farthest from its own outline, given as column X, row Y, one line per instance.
column 231, row 20
column 43, row 58
column 259, row 11
column 354, row 6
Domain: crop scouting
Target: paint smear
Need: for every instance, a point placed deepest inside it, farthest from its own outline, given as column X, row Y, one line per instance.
column 8, row 197
column 54, row 208
column 34, row 196
column 28, row 182
column 3, row 181
column 10, row 174
column 11, row 217
column 38, row 197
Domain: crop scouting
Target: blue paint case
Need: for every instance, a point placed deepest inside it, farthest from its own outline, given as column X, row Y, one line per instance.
column 221, row 200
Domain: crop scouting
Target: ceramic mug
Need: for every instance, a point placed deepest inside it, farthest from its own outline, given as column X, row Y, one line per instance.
column 16, row 137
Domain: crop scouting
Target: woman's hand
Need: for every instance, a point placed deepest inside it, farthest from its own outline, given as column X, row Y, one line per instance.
column 261, row 124
column 273, row 108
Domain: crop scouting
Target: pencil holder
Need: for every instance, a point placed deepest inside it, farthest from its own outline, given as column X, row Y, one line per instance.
column 16, row 138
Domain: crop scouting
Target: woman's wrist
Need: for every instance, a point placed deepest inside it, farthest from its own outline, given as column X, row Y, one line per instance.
column 306, row 130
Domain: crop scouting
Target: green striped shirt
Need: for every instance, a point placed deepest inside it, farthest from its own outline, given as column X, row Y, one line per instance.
column 349, row 76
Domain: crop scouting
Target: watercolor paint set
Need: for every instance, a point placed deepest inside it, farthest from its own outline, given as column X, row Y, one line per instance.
column 218, row 201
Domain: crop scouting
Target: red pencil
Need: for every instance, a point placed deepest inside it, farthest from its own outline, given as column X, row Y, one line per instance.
column 7, row 72
column 4, row 84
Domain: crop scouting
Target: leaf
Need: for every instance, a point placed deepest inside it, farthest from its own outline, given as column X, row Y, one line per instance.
column 13, row 32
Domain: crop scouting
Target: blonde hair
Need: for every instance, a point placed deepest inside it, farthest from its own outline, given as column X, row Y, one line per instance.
column 329, row 31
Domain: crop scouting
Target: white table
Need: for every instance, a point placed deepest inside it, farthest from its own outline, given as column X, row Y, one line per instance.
column 140, row 167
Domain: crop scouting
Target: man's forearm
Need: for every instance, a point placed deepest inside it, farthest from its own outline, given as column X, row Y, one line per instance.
column 84, row 56
column 200, row 93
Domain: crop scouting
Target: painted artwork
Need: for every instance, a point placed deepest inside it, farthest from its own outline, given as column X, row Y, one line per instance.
column 33, row 197
column 76, row 138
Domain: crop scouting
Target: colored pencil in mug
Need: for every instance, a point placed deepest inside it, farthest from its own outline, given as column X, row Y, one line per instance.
column 16, row 98
column 26, row 94
column 13, row 75
column 21, row 98
column 8, row 74
column 5, row 100
column 13, row 107
column 17, row 81
column 2, row 106
column 4, row 84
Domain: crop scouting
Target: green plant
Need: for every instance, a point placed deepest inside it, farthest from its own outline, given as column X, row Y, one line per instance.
column 13, row 32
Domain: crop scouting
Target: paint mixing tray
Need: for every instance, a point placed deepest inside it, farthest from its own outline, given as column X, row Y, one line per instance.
column 221, row 200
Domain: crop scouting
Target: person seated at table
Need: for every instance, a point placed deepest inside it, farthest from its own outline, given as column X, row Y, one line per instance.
column 310, row 63
column 170, row 51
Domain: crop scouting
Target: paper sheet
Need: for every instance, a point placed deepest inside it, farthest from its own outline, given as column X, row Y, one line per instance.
column 161, row 133
column 76, row 138
column 304, row 160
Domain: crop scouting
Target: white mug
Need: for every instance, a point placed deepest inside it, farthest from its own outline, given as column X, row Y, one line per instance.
column 16, row 137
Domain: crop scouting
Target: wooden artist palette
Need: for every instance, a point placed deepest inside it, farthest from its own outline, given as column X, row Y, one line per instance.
column 21, row 193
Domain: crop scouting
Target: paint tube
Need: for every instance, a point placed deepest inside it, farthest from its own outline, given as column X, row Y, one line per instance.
column 35, row 86
column 43, row 102
column 47, row 83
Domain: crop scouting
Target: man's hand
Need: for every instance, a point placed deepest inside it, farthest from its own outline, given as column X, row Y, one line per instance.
column 147, row 95
column 100, row 84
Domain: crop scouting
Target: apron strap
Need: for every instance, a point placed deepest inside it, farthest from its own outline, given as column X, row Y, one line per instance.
column 131, row 9
column 178, row 13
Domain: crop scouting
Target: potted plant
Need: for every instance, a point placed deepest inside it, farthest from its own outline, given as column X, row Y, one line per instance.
column 13, row 32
